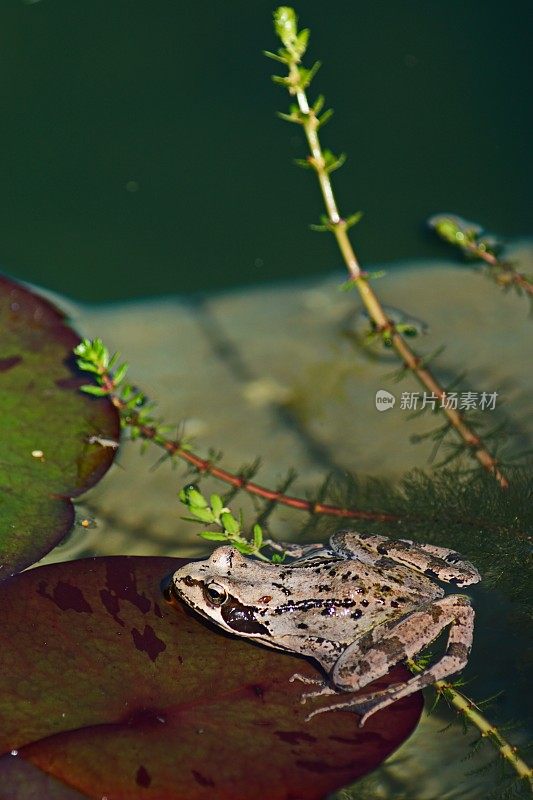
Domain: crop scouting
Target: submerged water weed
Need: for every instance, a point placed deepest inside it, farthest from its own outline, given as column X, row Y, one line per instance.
column 476, row 245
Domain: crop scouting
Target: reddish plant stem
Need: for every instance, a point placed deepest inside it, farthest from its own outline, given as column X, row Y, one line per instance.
column 471, row 439
column 205, row 466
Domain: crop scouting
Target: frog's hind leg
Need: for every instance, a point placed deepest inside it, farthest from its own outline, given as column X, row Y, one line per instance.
column 435, row 562
column 372, row 656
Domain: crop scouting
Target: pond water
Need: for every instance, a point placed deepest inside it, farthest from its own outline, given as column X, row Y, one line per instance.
column 141, row 155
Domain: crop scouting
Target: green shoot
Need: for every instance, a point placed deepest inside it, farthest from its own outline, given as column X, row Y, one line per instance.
column 213, row 512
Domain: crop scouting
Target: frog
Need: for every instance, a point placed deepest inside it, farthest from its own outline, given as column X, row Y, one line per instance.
column 357, row 605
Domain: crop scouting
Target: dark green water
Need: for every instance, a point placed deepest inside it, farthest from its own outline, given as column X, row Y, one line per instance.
column 174, row 101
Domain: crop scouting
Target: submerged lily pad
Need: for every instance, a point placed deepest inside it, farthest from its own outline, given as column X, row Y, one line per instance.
column 112, row 692
column 47, row 422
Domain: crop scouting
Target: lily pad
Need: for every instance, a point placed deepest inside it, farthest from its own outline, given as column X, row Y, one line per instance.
column 112, row 692
column 47, row 423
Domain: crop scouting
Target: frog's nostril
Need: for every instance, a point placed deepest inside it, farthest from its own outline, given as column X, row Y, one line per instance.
column 188, row 581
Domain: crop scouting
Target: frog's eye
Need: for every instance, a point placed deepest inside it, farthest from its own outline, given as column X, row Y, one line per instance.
column 215, row 594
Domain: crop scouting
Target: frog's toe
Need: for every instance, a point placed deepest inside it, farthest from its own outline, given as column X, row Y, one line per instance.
column 319, row 711
column 366, row 707
column 363, row 707
column 324, row 690
column 304, row 679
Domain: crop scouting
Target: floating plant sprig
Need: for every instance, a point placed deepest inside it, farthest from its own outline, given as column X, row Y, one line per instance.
column 469, row 237
column 393, row 506
column 323, row 162
column 136, row 416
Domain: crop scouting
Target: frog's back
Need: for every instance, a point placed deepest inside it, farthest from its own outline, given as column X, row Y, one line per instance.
column 345, row 598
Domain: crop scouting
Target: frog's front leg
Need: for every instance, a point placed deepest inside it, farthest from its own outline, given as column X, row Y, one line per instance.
column 435, row 562
column 375, row 653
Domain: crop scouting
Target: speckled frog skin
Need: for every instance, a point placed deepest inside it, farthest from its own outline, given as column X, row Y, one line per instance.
column 358, row 607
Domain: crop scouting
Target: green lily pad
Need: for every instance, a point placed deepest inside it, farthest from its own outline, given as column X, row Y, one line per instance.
column 112, row 692
column 47, row 422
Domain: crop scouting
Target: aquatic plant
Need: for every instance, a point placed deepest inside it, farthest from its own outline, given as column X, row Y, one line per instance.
column 311, row 118
column 478, row 246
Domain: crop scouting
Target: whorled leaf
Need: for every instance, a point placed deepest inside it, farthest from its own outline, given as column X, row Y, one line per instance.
column 112, row 692
column 46, row 427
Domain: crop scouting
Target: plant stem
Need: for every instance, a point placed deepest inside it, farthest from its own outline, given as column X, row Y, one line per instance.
column 471, row 712
column 505, row 273
column 150, row 431
column 376, row 312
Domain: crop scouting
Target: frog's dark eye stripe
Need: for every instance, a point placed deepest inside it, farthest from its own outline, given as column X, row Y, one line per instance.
column 241, row 619
column 215, row 594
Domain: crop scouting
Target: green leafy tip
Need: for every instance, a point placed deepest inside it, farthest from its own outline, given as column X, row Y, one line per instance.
column 286, row 24
column 92, row 352
column 286, row 28
column 135, row 410
column 190, row 495
column 93, row 356
column 333, row 162
column 463, row 234
column 216, row 513
column 97, row 391
column 353, row 219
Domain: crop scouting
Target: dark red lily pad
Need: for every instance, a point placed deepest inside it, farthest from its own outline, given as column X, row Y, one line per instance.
column 112, row 692
column 47, row 422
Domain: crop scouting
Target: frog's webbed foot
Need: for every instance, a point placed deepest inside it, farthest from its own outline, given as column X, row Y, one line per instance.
column 363, row 706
